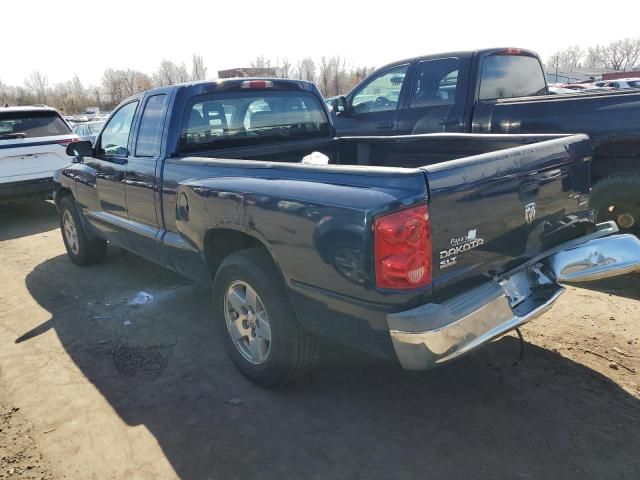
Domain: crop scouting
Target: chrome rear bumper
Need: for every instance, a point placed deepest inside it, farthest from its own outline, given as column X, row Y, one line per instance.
column 434, row 334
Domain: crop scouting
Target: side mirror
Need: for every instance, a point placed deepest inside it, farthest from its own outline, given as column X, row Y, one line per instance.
column 340, row 105
column 83, row 148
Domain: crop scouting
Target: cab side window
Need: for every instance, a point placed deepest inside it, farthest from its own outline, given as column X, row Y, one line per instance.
column 150, row 132
column 115, row 136
column 382, row 92
column 436, row 83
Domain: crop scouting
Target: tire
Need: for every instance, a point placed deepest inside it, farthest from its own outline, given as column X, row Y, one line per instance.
column 82, row 249
column 290, row 351
column 617, row 198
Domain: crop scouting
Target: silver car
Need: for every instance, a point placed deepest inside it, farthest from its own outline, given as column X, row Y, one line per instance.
column 88, row 130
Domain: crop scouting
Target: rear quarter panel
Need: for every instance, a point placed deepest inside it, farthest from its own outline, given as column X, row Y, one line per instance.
column 305, row 216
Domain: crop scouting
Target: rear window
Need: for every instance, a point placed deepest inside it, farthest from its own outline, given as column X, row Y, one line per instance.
column 507, row 76
column 31, row 125
column 251, row 118
column 634, row 83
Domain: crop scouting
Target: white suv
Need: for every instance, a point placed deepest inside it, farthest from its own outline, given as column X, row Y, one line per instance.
column 33, row 143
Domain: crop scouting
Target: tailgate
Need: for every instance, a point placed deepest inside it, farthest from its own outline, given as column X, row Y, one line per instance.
column 493, row 211
column 32, row 158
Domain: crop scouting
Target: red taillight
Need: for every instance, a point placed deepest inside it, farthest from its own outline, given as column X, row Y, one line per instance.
column 403, row 249
column 67, row 141
column 256, row 84
column 512, row 51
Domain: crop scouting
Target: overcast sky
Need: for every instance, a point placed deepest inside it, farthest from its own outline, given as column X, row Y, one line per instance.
column 61, row 38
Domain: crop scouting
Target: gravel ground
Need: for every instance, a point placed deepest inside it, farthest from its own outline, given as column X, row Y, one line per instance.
column 114, row 371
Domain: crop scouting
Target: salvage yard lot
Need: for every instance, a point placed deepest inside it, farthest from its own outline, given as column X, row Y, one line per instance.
column 115, row 371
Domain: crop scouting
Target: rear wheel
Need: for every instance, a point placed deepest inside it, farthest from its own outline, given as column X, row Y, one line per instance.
column 82, row 249
column 617, row 198
column 256, row 322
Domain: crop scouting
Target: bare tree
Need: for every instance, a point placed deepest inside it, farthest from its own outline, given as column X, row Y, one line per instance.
column 113, row 87
column 324, row 76
column 94, row 95
column 573, row 56
column 261, row 62
column 554, row 61
column 37, row 84
column 631, row 51
column 169, row 73
column 306, row 69
column 198, row 70
column 618, row 55
column 120, row 84
column 283, row 68
column 4, row 94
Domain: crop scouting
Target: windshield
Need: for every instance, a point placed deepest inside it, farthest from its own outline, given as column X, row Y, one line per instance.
column 94, row 128
column 32, row 124
column 252, row 118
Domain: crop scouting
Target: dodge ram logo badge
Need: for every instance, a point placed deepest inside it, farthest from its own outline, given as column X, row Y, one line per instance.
column 530, row 212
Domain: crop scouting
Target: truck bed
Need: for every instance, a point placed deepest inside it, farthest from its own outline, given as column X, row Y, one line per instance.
column 316, row 219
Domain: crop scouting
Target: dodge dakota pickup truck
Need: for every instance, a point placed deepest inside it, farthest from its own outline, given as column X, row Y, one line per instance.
column 504, row 90
column 416, row 248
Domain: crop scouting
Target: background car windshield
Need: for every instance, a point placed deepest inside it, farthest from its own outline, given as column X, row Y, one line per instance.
column 218, row 121
column 94, row 128
column 32, row 124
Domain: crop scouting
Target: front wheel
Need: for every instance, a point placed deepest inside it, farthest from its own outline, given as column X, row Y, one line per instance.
column 617, row 198
column 82, row 249
column 256, row 322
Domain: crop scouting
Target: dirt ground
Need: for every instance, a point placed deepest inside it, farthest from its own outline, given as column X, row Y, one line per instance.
column 101, row 381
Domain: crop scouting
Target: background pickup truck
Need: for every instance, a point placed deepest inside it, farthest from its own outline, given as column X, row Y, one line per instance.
column 504, row 91
column 385, row 247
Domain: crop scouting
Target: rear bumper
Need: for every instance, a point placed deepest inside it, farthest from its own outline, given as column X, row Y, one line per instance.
column 434, row 334
column 39, row 187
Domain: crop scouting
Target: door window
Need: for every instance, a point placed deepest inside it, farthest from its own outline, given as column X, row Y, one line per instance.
column 115, row 136
column 436, row 83
column 150, row 134
column 382, row 92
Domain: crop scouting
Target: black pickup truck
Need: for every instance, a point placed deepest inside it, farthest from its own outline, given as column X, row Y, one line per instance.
column 504, row 91
column 384, row 244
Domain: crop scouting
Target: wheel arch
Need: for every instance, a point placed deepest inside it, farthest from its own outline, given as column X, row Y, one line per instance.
column 61, row 192
column 220, row 243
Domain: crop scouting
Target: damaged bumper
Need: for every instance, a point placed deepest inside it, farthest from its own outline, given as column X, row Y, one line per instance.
column 434, row 334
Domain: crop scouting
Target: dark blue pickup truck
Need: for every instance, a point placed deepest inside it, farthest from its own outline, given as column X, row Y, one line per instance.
column 503, row 90
column 416, row 248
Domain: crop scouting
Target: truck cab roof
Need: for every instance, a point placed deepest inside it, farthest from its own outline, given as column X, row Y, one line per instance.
column 233, row 84
column 460, row 54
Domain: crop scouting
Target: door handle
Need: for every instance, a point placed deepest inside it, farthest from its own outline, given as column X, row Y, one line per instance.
column 384, row 125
